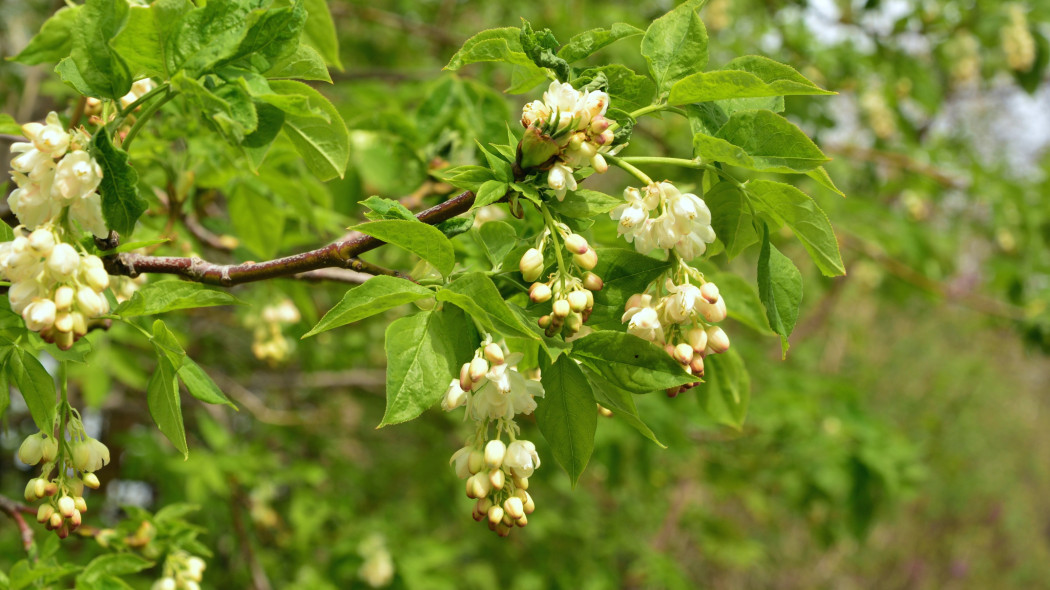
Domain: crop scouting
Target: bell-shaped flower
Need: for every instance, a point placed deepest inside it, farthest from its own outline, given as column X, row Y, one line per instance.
column 49, row 137
column 521, row 458
column 76, row 175
column 87, row 211
column 560, row 179
column 682, row 302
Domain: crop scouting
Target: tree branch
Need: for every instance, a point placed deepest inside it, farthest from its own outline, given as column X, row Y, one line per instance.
column 341, row 254
column 15, row 511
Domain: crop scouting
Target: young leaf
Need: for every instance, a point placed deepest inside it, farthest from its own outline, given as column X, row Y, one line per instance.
column 468, row 178
column 731, row 217
column 206, row 36
column 102, row 68
column 54, row 41
column 675, row 45
column 786, row 204
column 376, row 295
column 490, row 192
column 323, row 141
column 423, row 354
column 476, row 294
column 746, row 306
column 586, row 204
column 780, row 288
column 272, row 34
column 119, row 188
column 319, row 32
column 625, row 272
column 567, row 416
column 142, row 42
column 727, row 389
column 113, row 564
column 744, row 77
column 773, row 143
column 8, row 125
column 627, row 361
column 36, row 385
column 588, row 42
column 421, row 239
column 500, row 45
column 305, row 63
column 162, row 397
column 496, row 238
column 627, row 90
column 165, row 296
column 386, row 209
column 824, row 179
column 197, row 382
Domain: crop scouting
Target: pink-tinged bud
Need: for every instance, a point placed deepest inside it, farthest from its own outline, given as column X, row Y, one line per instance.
column 64, row 321
column 576, row 243
column 673, row 392
column 465, row 383
column 544, row 321
column 497, row 478
column 494, row 353
column 79, row 323
column 577, row 301
column 66, row 506
column 697, row 338
column 599, row 124
column 717, row 340
column 50, row 488
column 502, row 530
column 592, row 282
column 522, row 483
column 683, row 353
column 91, row 481
column 55, row 521
column 713, row 312
column 507, row 520
column 63, row 340
column 514, row 507
column 560, row 309
column 495, row 450
column 528, row 504
column 75, row 520
column 606, row 138
column 709, row 292
column 522, row 522
column 495, row 514
column 80, row 504
column 574, row 322
column 539, row 292
column 587, row 261
column 478, row 368
column 531, row 265
column 669, row 349
column 697, row 366
column 43, row 514
column 63, row 531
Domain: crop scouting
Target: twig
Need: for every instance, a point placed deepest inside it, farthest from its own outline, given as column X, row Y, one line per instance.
column 897, row 160
column 341, row 254
column 206, row 237
column 15, row 511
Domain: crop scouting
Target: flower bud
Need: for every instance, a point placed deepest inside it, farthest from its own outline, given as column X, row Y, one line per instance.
column 66, row 506
column 455, row 397
column 89, row 302
column 709, row 292
column 531, row 264
column 476, row 462
column 717, row 340
column 165, row 583
column 577, row 301
column 495, row 514
column 64, row 297
column 55, row 521
column 560, row 309
column 494, row 453
column 190, row 585
column 30, row 491
column 606, row 137
column 574, row 322
column 64, row 321
column 522, row 483
column 63, row 260
column 539, row 292
column 587, row 260
column 697, row 366
column 80, row 503
column 713, row 312
column 494, row 353
column 42, row 241
column 478, row 368
column 75, row 520
column 592, row 282
column 464, row 377
column 50, row 487
column 514, row 507
column 43, row 514
column 39, row 315
column 195, row 568
column 502, row 530
column 536, row 148
column 683, row 353
column 528, row 504
column 497, row 478
column 91, row 481
column 96, row 278
column 49, row 448
column 599, row 164
column 576, row 244
column 697, row 338
column 32, row 449
column 79, row 323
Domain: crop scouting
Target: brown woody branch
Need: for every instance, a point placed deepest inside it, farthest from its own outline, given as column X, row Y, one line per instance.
column 15, row 510
column 341, row 254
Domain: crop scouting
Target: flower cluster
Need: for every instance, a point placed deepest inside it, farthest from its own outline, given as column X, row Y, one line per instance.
column 73, row 463
column 496, row 473
column 54, row 175
column 1017, row 40
column 377, row 569
column 661, row 216
column 566, row 131
column 572, row 291
column 182, row 571
column 55, row 287
column 269, row 343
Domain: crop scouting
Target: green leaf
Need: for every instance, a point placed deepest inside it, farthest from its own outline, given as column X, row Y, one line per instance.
column 102, row 68
column 771, row 143
column 165, row 296
column 476, row 294
column 621, row 402
column 744, row 304
column 744, row 77
column 627, row 361
column 36, row 386
column 386, row 209
column 500, row 45
column 588, row 42
column 455, row 226
column 162, row 397
column 706, row 118
column 627, row 90
column 305, row 63
column 786, row 204
column 496, row 238
column 9, row 126
column 424, row 352
column 68, row 72
column 200, row 384
column 319, row 32
column 208, row 35
column 375, row 295
column 490, row 192
column 468, row 178
column 566, row 415
column 272, row 34
column 5, row 385
column 323, row 141
column 140, row 42
column 119, row 188
column 228, row 107
column 625, row 272
column 113, row 564
column 731, row 217
column 824, row 179
column 675, row 45
column 585, row 204
column 53, row 42
column 258, row 222
column 727, row 390
column 417, row 237
column 780, row 288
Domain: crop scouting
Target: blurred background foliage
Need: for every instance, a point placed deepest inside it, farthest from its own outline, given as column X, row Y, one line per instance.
column 904, row 443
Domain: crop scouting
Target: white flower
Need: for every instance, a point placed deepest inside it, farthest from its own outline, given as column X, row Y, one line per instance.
column 462, row 460
column 138, row 89
column 76, row 175
column 593, row 104
column 682, row 302
column 535, row 113
column 560, row 179
column 32, row 201
column 521, row 458
column 87, row 211
column 63, row 261
column 49, row 137
column 31, row 159
column 454, row 397
column 644, row 321
column 39, row 315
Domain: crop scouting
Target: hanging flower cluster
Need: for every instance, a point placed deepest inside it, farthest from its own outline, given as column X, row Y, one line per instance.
column 1017, row 40
column 269, row 343
column 67, row 465
column 496, row 473
column 664, row 217
column 571, row 287
column 566, row 131
column 182, row 571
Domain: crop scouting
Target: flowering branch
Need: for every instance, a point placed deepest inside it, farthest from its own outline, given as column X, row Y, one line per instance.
column 341, row 254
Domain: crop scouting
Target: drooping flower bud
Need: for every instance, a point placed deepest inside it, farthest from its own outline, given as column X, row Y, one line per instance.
column 66, row 506
column 697, row 338
column 717, row 340
column 494, row 353
column 587, row 260
column 195, row 568
column 514, row 507
column 80, row 503
column 497, row 478
column 43, row 514
column 64, row 296
column 531, row 265
column 709, row 291
column 576, row 243
column 683, row 353
column 91, row 481
column 539, row 292
column 478, row 368
column 55, row 521
column 577, row 301
column 494, row 452
column 42, row 241
column 63, row 260
column 592, row 282
column 39, row 315
column 560, row 308
column 32, row 449
column 495, row 514
column 455, row 397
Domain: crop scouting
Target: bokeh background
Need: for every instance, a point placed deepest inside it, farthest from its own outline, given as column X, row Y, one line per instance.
column 904, row 443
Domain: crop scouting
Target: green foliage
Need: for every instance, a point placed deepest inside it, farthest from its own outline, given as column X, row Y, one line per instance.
column 418, row 238
column 566, row 415
column 121, row 204
column 780, row 289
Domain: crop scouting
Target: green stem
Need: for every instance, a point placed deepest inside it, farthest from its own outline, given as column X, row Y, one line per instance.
column 624, row 164
column 123, row 114
column 145, row 116
column 553, row 228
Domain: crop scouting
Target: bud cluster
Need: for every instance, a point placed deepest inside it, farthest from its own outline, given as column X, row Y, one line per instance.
column 73, row 463
column 55, row 175
column 1017, row 40
column 571, row 294
column 182, row 571
column 269, row 343
column 565, row 131
column 93, row 106
column 496, row 473
column 661, row 216
column 54, row 286
column 681, row 321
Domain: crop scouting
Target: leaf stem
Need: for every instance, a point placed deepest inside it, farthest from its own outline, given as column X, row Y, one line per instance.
column 123, row 114
column 553, row 228
column 627, row 166
column 145, row 116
